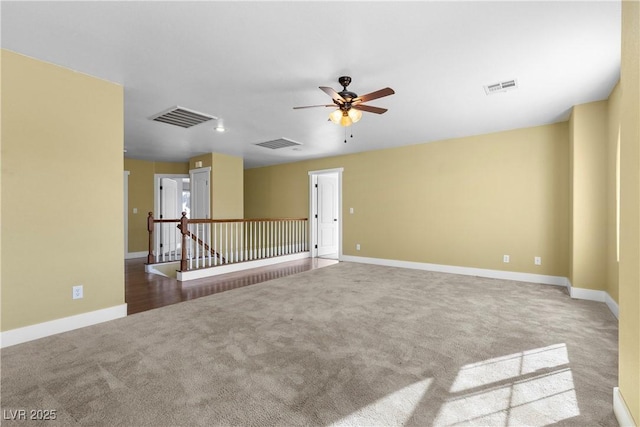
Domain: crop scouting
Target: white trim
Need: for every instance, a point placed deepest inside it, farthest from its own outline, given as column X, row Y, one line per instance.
column 157, row 177
column 313, row 179
column 45, row 329
column 613, row 306
column 467, row 271
column 240, row 266
column 587, row 294
column 594, row 295
column 132, row 255
column 620, row 409
column 126, row 212
column 192, row 200
column 156, row 188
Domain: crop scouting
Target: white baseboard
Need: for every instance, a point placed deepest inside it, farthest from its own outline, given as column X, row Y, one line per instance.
column 613, row 306
column 232, row 268
column 594, row 295
column 467, row 271
column 132, row 255
column 621, row 410
column 45, row 329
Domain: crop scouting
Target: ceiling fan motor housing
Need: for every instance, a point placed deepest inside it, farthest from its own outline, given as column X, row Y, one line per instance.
column 344, row 81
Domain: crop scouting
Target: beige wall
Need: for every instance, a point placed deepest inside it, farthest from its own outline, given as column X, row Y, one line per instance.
column 464, row 202
column 629, row 288
column 62, row 222
column 227, row 189
column 141, row 194
column 588, row 165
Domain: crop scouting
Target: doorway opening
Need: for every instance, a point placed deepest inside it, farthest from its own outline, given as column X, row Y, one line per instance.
column 325, row 213
column 172, row 194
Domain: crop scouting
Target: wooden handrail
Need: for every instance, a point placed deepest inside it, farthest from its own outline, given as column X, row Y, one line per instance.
column 209, row 221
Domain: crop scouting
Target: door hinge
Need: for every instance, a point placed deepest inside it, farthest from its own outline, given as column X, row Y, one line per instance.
column 316, row 185
column 161, row 187
column 316, row 246
column 161, row 216
column 316, row 215
column 160, row 244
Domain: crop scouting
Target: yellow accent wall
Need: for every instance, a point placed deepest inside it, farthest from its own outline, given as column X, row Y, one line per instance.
column 463, row 202
column 588, row 165
column 141, row 193
column 629, row 274
column 62, row 210
column 227, row 185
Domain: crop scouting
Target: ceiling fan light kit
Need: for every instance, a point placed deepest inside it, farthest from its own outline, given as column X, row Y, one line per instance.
column 350, row 105
column 345, row 117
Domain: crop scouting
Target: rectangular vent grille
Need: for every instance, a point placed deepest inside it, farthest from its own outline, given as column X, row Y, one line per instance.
column 279, row 143
column 501, row 87
column 183, row 117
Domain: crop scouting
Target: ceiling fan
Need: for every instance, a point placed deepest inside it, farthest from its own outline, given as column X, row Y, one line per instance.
column 350, row 105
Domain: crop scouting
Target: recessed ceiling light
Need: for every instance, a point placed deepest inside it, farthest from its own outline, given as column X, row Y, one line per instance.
column 220, row 126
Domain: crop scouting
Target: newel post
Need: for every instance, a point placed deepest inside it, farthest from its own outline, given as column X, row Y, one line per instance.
column 151, row 259
column 184, row 229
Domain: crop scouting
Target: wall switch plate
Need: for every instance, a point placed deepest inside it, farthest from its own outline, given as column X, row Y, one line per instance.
column 135, row 210
column 537, row 260
column 350, row 210
column 357, row 246
column 77, row 292
column 505, row 258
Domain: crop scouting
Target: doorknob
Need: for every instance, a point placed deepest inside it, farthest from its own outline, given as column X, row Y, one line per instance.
column 335, row 219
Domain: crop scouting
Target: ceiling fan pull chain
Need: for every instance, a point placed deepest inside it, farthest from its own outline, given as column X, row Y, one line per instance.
column 345, row 135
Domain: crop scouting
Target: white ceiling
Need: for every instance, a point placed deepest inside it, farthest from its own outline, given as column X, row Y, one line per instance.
column 251, row 62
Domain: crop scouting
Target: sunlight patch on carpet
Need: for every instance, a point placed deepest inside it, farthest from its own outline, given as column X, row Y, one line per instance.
column 391, row 410
column 532, row 388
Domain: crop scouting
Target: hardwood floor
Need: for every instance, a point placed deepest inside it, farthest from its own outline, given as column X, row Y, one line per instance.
column 144, row 291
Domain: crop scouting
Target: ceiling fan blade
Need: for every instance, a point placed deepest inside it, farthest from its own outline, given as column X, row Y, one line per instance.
column 375, row 95
column 369, row 108
column 333, row 94
column 313, row 106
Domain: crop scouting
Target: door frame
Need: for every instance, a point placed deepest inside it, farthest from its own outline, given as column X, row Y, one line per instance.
column 313, row 209
column 125, row 180
column 156, row 188
column 191, row 173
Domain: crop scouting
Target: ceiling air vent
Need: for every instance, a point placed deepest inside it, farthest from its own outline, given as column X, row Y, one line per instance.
column 279, row 143
column 183, row 117
column 501, row 87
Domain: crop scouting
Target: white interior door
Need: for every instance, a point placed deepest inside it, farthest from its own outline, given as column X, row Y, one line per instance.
column 328, row 215
column 170, row 204
column 200, row 193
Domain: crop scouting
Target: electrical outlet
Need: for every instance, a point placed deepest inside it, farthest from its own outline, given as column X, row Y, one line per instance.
column 77, row 292
column 537, row 260
column 505, row 258
column 357, row 246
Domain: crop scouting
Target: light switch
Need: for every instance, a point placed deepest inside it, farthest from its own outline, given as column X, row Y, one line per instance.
column 350, row 210
column 135, row 210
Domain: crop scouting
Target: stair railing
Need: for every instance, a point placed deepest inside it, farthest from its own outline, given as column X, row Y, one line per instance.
column 209, row 242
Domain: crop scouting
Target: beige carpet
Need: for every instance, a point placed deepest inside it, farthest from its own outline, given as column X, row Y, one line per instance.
column 349, row 344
